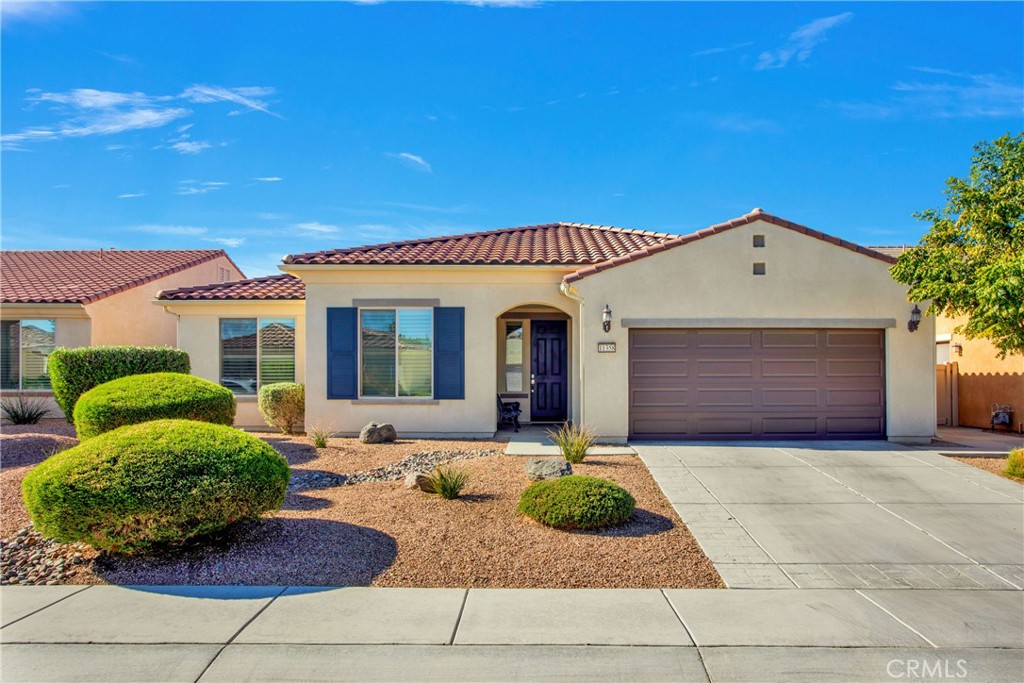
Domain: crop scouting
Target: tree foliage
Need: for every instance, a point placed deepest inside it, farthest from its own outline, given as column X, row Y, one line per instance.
column 971, row 261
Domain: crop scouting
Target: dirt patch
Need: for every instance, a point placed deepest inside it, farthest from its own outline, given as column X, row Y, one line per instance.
column 993, row 465
column 380, row 533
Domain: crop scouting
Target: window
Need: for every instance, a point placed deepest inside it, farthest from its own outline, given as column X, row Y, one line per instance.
column 758, row 240
column 25, row 346
column 396, row 352
column 513, row 356
column 255, row 352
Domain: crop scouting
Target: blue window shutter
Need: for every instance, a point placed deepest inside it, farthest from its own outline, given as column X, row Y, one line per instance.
column 449, row 352
column 342, row 353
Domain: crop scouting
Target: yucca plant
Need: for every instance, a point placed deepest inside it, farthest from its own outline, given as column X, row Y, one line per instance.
column 448, row 481
column 574, row 441
column 24, row 411
column 319, row 436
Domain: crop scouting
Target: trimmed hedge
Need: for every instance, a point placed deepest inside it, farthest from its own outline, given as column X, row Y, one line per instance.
column 75, row 371
column 158, row 482
column 577, row 502
column 158, row 396
column 282, row 405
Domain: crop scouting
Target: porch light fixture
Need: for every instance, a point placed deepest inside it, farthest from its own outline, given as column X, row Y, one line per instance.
column 958, row 349
column 606, row 318
column 915, row 319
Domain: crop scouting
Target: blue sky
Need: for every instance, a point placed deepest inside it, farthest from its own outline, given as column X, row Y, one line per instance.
column 274, row 128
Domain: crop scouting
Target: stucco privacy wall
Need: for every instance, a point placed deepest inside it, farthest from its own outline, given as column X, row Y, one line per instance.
column 72, row 329
column 485, row 293
column 984, row 378
column 806, row 278
column 129, row 318
column 198, row 325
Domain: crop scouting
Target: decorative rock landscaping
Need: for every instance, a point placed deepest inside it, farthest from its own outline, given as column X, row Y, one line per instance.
column 28, row 559
column 375, row 432
column 547, row 468
column 417, row 462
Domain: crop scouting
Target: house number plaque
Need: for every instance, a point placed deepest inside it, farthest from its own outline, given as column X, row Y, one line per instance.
column 606, row 347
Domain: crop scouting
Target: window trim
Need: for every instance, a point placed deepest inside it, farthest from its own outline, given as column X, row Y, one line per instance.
column 523, row 323
column 396, row 398
column 259, row 351
column 21, row 359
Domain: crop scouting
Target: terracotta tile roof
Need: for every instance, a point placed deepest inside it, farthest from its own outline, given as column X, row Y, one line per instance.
column 755, row 215
column 891, row 251
column 549, row 244
column 272, row 287
column 83, row 277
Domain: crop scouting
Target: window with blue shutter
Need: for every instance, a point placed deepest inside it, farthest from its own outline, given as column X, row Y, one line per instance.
column 342, row 353
column 449, row 352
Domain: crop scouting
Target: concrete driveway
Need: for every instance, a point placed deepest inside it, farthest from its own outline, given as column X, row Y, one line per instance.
column 870, row 515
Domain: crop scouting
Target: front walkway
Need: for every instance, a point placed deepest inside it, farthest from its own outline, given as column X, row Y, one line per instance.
column 533, row 440
column 106, row 633
column 870, row 515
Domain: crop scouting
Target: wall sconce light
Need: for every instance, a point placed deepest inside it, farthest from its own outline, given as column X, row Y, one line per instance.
column 606, row 318
column 915, row 319
column 958, row 349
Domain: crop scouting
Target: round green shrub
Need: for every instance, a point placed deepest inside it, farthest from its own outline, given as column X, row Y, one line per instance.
column 75, row 371
column 577, row 502
column 282, row 405
column 164, row 481
column 1015, row 463
column 157, row 396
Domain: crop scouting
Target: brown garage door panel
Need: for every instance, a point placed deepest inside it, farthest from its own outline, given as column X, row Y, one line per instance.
column 777, row 383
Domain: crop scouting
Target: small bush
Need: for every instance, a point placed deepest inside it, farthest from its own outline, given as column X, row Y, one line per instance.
column 24, row 411
column 75, row 371
column 319, row 436
column 141, row 398
column 1015, row 463
column 577, row 502
column 158, row 482
column 283, row 405
column 447, row 481
column 574, row 441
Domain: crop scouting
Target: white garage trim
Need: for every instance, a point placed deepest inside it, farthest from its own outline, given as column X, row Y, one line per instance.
column 840, row 323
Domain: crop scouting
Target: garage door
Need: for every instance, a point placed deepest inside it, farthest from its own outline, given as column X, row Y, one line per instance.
column 764, row 384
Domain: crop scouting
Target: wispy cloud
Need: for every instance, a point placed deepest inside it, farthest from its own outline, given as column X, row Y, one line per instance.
column 248, row 97
column 131, row 195
column 269, row 179
column 502, row 3
column 124, row 59
column 412, row 161
column 62, row 186
column 190, row 146
column 229, row 242
column 35, row 11
column 719, row 50
column 315, row 229
column 191, row 187
column 943, row 94
column 164, row 229
column 801, row 42
column 89, row 111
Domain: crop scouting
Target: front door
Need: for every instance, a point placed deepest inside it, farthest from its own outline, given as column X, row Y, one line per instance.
column 549, row 373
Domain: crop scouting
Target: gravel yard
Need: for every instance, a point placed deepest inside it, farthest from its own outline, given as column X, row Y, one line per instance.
column 343, row 525
column 993, row 465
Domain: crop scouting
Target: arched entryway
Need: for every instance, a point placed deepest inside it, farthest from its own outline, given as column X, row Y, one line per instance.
column 534, row 362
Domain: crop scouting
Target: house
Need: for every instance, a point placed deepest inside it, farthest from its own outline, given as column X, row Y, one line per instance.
column 971, row 376
column 752, row 328
column 89, row 298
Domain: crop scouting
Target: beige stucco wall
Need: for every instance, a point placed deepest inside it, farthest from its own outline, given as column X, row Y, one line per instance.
column 129, row 318
column 984, row 378
column 198, row 333
column 72, row 329
column 713, row 278
column 485, row 293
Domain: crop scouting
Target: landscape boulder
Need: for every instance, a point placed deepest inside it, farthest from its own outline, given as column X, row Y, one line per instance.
column 378, row 432
column 419, row 480
column 547, row 468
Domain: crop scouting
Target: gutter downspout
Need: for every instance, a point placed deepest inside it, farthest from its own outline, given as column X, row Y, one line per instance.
column 568, row 291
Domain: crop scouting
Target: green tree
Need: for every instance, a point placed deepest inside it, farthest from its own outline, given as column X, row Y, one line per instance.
column 971, row 261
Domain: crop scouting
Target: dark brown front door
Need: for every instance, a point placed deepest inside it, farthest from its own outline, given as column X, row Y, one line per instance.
column 549, row 370
column 763, row 384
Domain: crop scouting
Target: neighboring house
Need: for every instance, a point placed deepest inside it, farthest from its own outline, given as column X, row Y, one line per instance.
column 89, row 298
column 754, row 328
column 970, row 375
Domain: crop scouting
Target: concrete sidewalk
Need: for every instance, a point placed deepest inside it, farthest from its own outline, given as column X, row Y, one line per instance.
column 533, row 440
column 107, row 633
